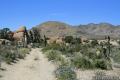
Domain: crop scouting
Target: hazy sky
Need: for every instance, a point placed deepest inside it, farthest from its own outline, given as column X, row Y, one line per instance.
column 14, row 13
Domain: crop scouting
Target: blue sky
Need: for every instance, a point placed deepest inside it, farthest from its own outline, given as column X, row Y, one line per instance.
column 14, row 13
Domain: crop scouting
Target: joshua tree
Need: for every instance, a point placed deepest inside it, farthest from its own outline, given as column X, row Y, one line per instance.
column 4, row 33
column 1, row 34
column 31, row 36
column 36, row 35
column 109, row 65
column 109, row 45
column 45, row 40
column 106, row 48
column 26, row 37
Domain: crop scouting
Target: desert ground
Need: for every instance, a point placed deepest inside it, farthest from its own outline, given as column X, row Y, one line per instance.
column 34, row 67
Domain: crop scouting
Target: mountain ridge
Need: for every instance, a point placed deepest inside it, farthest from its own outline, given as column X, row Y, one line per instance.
column 91, row 30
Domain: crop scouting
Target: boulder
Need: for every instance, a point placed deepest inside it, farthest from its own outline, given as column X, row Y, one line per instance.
column 21, row 29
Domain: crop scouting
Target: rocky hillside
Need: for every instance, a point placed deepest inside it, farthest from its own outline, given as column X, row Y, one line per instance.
column 54, row 28
column 99, row 30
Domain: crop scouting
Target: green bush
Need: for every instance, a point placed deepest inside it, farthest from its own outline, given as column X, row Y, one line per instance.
column 101, row 64
column 56, row 56
column 36, row 45
column 82, row 62
column 115, row 54
column 8, row 55
column 65, row 73
column 94, row 42
column 11, row 54
column 22, row 52
column 52, row 47
column 68, row 39
column 52, row 55
column 92, row 57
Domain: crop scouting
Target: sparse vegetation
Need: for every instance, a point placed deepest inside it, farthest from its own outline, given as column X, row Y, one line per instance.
column 100, row 63
column 65, row 73
column 22, row 52
column 69, row 55
column 115, row 54
column 82, row 55
column 55, row 56
column 82, row 62
column 94, row 42
column 11, row 54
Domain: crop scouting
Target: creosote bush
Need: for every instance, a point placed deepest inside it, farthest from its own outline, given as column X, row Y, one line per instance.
column 65, row 73
column 11, row 54
column 52, row 47
column 115, row 54
column 82, row 62
column 22, row 52
column 101, row 64
column 8, row 54
column 55, row 56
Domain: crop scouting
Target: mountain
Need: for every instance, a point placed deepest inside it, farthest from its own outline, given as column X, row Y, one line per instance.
column 91, row 30
column 55, row 28
column 100, row 30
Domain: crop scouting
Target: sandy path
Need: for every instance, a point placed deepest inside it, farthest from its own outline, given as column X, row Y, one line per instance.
column 30, row 69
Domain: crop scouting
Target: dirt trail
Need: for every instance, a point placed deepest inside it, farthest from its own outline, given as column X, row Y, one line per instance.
column 34, row 67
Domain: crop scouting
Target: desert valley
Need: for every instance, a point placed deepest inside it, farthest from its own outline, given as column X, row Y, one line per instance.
column 58, row 51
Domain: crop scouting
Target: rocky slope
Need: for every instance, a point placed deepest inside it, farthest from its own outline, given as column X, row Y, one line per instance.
column 55, row 28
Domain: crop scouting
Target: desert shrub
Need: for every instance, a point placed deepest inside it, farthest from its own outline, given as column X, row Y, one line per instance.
column 115, row 54
column 77, row 47
column 78, row 40
column 46, row 48
column 36, row 45
column 90, row 58
column 52, row 47
column 92, row 55
column 117, row 58
column 100, row 63
column 68, row 39
column 8, row 55
column 11, row 54
column 82, row 62
column 56, row 56
column 68, row 52
column 75, row 41
column 52, row 55
column 84, row 49
column 94, row 43
column 65, row 73
column 22, row 52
